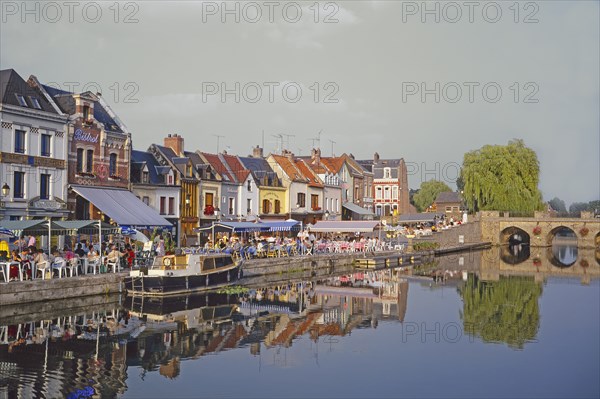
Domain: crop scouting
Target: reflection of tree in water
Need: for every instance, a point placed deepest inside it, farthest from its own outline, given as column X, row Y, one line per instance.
column 502, row 311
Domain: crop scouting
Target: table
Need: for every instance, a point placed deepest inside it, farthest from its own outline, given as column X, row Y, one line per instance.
column 6, row 266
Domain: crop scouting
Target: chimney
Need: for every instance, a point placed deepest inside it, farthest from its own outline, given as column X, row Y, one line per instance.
column 257, row 152
column 376, row 157
column 175, row 142
column 288, row 154
column 315, row 155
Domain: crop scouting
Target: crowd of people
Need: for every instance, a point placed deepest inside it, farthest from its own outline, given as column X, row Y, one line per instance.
column 27, row 254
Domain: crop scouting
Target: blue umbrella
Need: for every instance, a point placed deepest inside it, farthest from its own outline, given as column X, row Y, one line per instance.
column 6, row 232
column 128, row 231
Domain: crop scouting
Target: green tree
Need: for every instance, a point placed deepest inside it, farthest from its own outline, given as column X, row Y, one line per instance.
column 428, row 192
column 502, row 178
column 558, row 205
column 506, row 310
column 577, row 207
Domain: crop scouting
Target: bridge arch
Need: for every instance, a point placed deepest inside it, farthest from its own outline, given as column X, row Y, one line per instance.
column 562, row 256
column 561, row 235
column 514, row 235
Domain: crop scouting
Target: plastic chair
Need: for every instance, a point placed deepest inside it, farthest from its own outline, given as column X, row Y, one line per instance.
column 72, row 267
column 43, row 267
column 61, row 266
column 94, row 264
column 115, row 265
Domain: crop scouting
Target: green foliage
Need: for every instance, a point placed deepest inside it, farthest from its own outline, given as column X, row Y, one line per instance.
column 502, row 178
column 428, row 192
column 233, row 290
column 577, row 207
column 425, row 246
column 558, row 205
column 502, row 311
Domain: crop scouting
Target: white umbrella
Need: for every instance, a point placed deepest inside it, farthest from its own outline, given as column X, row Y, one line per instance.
column 139, row 236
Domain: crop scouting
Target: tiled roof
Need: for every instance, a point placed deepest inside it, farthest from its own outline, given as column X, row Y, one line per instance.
column 66, row 103
column 448, row 196
column 334, row 164
column 217, row 164
column 236, row 167
column 155, row 171
column 314, row 180
column 259, row 167
column 290, row 169
column 11, row 83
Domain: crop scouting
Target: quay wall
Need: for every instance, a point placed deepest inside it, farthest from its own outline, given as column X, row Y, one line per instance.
column 72, row 288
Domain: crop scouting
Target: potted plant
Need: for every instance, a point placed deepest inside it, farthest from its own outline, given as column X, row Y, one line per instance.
column 537, row 230
column 209, row 210
column 584, row 231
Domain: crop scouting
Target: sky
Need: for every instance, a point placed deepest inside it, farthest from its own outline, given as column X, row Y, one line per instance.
column 423, row 81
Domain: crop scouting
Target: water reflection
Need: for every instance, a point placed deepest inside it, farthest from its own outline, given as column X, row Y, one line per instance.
column 563, row 255
column 107, row 350
column 504, row 311
column 513, row 254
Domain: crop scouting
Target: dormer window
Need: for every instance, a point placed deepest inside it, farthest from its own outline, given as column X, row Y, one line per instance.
column 249, row 185
column 35, row 102
column 387, row 173
column 145, row 177
column 86, row 112
column 21, row 100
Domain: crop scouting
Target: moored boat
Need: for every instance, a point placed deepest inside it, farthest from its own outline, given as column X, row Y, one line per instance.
column 181, row 274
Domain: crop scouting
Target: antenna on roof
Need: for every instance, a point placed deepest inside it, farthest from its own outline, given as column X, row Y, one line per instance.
column 218, row 138
column 279, row 138
column 288, row 140
column 332, row 143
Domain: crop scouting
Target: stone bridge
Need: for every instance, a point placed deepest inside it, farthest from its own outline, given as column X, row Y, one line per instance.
column 539, row 230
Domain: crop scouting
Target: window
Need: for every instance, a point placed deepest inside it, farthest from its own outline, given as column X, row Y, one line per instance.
column 20, row 141
column 266, row 205
column 163, row 203
column 146, row 200
column 356, row 192
column 19, row 184
column 249, row 205
column 378, row 193
column 112, row 165
column 80, row 160
column 86, row 112
column 448, row 209
column 337, row 205
column 21, row 100
column 277, row 206
column 387, row 193
column 170, row 179
column 145, row 177
column 208, row 199
column 314, row 202
column 45, row 145
column 378, row 210
column 231, row 206
column 35, row 102
column 89, row 167
column 44, row 186
column 301, row 200
column 395, row 192
column 171, row 205
column 387, row 173
column 249, row 185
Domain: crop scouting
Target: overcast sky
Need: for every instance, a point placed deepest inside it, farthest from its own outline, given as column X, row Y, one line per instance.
column 361, row 67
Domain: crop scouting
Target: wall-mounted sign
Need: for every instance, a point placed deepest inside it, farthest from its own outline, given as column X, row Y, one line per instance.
column 47, row 204
column 80, row 135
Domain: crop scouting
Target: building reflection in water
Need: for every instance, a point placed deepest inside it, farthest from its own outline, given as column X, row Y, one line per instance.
column 90, row 354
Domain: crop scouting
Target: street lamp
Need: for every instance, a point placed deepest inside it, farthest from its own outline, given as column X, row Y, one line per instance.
column 187, row 200
column 5, row 190
column 327, row 215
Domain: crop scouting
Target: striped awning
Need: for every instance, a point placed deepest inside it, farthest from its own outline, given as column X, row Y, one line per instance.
column 282, row 226
column 345, row 226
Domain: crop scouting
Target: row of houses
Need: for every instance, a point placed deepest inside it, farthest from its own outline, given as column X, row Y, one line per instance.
column 67, row 155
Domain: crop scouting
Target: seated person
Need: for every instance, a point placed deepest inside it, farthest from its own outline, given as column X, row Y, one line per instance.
column 68, row 254
column 80, row 251
column 114, row 255
column 129, row 255
column 14, row 269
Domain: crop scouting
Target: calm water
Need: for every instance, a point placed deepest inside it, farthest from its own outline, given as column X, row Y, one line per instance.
column 375, row 334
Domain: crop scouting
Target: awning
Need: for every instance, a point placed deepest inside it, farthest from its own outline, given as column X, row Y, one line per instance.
column 26, row 227
column 122, row 206
column 233, row 227
column 85, row 227
column 419, row 217
column 357, row 209
column 282, row 226
column 349, row 226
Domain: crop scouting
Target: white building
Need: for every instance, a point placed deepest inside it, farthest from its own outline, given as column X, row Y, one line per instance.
column 33, row 151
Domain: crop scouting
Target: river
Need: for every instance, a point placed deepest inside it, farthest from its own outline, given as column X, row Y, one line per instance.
column 390, row 333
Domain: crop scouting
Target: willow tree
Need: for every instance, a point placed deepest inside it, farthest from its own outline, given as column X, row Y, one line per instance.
column 428, row 193
column 502, row 178
column 506, row 310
